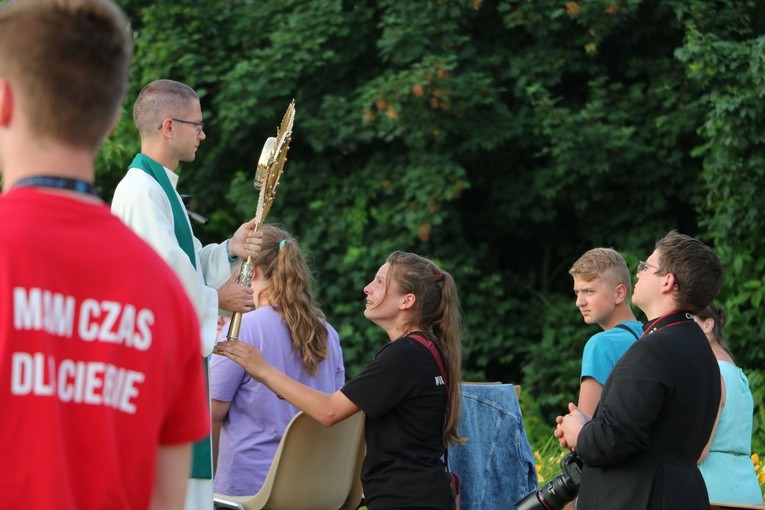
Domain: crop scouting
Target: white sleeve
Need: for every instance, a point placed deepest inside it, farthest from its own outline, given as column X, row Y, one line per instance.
column 213, row 265
column 143, row 206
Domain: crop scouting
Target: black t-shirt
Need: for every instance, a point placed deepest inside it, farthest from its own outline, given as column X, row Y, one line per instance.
column 404, row 399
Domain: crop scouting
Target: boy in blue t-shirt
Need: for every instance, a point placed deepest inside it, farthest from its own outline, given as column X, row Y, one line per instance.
column 602, row 285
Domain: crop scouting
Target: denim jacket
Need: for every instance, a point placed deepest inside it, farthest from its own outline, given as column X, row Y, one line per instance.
column 495, row 465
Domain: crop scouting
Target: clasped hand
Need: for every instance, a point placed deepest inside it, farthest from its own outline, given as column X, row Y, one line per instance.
column 569, row 426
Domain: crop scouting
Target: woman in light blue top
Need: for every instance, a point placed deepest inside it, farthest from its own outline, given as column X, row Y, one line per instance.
column 726, row 464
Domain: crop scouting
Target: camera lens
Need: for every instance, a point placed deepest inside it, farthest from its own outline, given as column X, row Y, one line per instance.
column 559, row 491
column 556, row 494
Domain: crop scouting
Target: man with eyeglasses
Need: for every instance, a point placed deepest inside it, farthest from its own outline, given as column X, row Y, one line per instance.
column 168, row 115
column 659, row 405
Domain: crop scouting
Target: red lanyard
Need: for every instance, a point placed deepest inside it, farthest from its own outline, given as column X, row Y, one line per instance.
column 652, row 326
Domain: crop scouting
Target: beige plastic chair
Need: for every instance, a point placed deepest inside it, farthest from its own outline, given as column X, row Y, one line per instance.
column 315, row 468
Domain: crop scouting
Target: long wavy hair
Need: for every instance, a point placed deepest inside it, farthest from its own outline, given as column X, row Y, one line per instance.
column 436, row 312
column 289, row 291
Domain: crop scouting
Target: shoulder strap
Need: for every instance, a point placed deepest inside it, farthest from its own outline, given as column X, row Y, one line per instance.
column 437, row 356
column 430, row 346
column 627, row 328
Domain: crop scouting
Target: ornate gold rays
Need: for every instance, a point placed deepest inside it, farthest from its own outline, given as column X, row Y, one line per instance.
column 270, row 168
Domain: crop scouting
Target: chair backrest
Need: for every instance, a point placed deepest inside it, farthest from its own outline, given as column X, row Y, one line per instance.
column 314, row 468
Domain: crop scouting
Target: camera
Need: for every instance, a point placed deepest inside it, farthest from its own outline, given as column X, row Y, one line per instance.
column 559, row 491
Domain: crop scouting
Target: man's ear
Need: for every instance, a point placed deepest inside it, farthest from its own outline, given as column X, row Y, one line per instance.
column 167, row 127
column 670, row 283
column 6, row 103
column 407, row 301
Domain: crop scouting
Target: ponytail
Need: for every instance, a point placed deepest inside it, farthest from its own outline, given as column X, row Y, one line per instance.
column 437, row 313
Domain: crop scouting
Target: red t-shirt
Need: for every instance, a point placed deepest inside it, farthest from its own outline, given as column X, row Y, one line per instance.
column 99, row 357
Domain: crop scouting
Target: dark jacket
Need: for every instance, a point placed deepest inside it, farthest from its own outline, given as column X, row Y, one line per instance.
column 654, row 418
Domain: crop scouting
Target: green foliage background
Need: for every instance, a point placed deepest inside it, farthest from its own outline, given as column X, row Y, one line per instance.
column 500, row 138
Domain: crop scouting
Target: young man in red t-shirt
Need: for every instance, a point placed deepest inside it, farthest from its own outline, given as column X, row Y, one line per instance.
column 101, row 386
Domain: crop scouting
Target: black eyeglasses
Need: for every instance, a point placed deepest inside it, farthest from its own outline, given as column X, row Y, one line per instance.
column 199, row 125
column 642, row 266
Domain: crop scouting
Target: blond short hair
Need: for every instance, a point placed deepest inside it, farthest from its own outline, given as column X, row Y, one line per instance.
column 604, row 263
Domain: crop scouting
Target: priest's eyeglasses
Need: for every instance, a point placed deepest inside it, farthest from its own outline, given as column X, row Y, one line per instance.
column 199, row 125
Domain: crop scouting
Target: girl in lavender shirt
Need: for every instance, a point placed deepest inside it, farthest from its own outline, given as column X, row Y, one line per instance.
column 293, row 335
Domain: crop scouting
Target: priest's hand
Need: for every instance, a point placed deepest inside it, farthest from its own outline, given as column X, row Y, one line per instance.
column 235, row 297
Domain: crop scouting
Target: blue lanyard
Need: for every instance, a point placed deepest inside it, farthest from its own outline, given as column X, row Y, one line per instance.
column 44, row 181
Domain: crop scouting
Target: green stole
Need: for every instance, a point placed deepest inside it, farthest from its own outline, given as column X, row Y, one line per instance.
column 201, row 466
column 180, row 223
